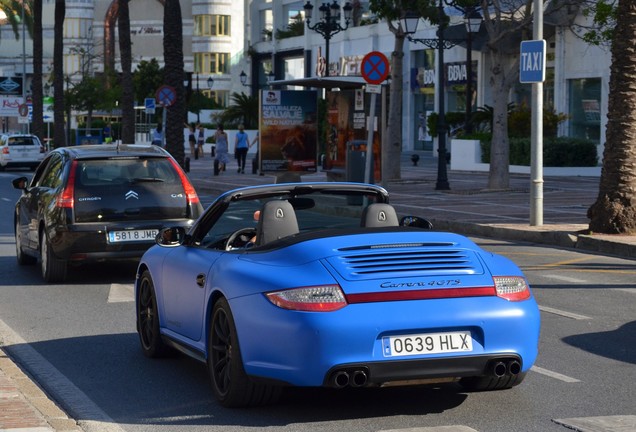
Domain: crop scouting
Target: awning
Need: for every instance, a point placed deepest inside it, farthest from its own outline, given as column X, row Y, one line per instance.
column 342, row 82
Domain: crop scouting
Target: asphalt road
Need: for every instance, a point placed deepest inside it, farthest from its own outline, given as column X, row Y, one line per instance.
column 78, row 341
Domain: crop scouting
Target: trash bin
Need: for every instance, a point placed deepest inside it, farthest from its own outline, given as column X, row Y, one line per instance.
column 356, row 166
column 356, row 161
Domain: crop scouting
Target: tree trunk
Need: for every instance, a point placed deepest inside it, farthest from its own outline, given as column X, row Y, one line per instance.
column 504, row 72
column 58, row 74
column 173, row 76
column 614, row 211
column 38, row 107
column 392, row 142
column 128, row 92
column 499, row 176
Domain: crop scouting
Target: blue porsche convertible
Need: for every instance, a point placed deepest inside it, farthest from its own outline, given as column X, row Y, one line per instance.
column 322, row 284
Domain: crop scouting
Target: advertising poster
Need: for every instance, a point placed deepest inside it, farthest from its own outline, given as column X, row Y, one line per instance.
column 288, row 130
column 347, row 123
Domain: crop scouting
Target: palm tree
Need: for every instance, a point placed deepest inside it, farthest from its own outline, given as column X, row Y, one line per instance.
column 614, row 211
column 38, row 108
column 244, row 110
column 59, row 136
column 173, row 77
column 128, row 92
column 13, row 14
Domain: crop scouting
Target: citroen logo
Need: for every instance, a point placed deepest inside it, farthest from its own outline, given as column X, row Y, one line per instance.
column 279, row 213
column 382, row 216
column 132, row 194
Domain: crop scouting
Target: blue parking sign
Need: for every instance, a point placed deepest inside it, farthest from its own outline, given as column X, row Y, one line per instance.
column 532, row 61
column 150, row 105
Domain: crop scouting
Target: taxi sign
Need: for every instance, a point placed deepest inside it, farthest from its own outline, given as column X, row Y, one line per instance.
column 532, row 61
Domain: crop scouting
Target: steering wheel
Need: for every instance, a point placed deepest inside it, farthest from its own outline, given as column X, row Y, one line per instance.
column 242, row 237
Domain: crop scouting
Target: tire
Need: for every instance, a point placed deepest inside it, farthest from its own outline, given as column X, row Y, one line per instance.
column 232, row 387
column 23, row 259
column 148, row 319
column 487, row 383
column 53, row 269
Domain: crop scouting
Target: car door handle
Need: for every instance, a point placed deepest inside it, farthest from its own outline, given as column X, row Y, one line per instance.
column 201, row 280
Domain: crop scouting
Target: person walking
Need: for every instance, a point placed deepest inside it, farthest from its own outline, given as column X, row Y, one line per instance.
column 220, row 158
column 256, row 160
column 200, row 141
column 241, row 145
column 191, row 139
column 157, row 136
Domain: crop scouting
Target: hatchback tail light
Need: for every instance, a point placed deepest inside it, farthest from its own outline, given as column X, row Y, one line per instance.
column 5, row 150
column 191, row 193
column 66, row 198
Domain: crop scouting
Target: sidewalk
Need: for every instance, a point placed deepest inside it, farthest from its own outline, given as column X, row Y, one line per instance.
column 468, row 208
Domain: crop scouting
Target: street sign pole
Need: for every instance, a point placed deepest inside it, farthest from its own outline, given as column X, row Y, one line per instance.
column 375, row 69
column 536, row 134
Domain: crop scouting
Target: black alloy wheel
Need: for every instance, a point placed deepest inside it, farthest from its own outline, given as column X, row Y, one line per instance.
column 232, row 387
column 148, row 318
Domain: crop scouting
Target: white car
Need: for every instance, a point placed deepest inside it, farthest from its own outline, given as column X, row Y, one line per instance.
column 20, row 150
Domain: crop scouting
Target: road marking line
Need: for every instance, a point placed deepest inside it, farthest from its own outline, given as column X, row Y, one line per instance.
column 566, row 262
column 453, row 428
column 627, row 290
column 120, row 293
column 554, row 375
column 563, row 313
column 616, row 423
column 564, row 278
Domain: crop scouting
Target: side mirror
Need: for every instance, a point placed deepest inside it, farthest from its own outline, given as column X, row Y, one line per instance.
column 171, row 237
column 416, row 222
column 20, row 183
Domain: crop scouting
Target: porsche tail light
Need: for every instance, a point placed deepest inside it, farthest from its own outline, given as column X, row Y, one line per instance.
column 66, row 198
column 191, row 193
column 512, row 288
column 325, row 298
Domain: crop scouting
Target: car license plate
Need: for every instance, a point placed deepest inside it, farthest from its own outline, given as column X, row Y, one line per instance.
column 427, row 343
column 132, row 235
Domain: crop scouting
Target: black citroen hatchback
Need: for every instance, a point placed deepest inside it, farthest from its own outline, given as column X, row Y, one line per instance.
column 98, row 202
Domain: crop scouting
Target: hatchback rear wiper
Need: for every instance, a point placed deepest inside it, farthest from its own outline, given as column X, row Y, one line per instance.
column 146, row 180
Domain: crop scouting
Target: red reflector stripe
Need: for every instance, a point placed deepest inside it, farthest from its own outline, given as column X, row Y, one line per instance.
column 421, row 294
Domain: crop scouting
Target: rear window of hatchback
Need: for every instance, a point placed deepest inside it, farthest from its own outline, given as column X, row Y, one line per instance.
column 108, row 172
column 22, row 141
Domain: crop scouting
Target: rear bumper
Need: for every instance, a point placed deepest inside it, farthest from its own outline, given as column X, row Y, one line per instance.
column 378, row 373
column 89, row 242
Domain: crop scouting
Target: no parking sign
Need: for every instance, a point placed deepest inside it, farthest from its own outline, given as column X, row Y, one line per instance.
column 375, row 67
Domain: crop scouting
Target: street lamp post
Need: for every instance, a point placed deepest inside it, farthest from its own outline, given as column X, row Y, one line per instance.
column 269, row 78
column 329, row 23
column 409, row 26
column 198, row 99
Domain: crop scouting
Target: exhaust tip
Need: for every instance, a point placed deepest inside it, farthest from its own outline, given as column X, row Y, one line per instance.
column 340, row 379
column 514, row 367
column 359, row 378
column 499, row 369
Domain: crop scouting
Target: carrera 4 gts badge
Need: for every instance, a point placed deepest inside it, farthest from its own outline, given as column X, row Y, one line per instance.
column 132, row 194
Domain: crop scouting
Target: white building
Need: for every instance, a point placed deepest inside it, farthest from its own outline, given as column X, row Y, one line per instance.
column 223, row 38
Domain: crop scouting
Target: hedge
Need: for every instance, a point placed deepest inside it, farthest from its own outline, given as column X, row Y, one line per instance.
column 557, row 152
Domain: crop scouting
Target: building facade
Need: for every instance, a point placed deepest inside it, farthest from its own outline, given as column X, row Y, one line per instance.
column 225, row 39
